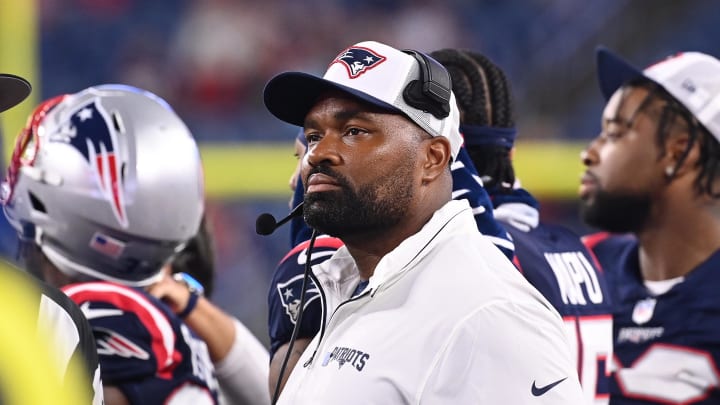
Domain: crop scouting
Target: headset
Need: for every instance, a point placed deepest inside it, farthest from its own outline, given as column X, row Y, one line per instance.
column 432, row 91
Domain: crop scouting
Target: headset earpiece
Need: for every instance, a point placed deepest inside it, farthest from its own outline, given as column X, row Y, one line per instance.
column 432, row 92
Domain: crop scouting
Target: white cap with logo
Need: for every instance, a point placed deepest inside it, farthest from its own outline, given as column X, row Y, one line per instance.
column 692, row 78
column 407, row 82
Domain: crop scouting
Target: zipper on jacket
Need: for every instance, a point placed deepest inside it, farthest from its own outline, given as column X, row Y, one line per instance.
column 323, row 300
column 366, row 292
column 324, row 308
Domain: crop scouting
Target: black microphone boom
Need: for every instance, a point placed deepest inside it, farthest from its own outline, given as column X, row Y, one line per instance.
column 265, row 224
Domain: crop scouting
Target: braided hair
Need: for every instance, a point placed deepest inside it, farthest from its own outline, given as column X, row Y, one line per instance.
column 709, row 163
column 483, row 96
column 709, row 160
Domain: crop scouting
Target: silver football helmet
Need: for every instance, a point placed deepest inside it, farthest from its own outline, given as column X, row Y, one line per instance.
column 107, row 182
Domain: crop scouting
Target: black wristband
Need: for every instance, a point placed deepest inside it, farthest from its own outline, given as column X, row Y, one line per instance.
column 191, row 304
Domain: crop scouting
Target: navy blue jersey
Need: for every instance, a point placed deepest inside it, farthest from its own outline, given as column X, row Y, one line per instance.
column 285, row 289
column 556, row 262
column 144, row 349
column 604, row 245
column 667, row 346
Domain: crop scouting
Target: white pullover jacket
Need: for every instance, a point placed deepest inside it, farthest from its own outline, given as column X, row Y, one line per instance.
column 445, row 319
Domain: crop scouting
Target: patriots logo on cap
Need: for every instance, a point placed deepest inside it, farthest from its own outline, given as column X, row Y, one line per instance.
column 688, row 85
column 91, row 132
column 358, row 60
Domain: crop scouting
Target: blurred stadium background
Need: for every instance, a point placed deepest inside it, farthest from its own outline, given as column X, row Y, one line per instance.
column 211, row 58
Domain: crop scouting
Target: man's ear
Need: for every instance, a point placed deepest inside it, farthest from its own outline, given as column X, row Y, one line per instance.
column 437, row 157
column 677, row 152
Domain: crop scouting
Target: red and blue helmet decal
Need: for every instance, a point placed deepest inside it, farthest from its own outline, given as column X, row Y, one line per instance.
column 92, row 132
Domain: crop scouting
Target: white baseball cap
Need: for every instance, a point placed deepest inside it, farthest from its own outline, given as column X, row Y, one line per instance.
column 692, row 78
column 377, row 74
column 13, row 90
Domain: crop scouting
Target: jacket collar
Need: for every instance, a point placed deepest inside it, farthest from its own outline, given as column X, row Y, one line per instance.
column 341, row 270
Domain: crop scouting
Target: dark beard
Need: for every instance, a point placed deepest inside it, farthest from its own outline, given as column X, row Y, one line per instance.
column 616, row 212
column 346, row 212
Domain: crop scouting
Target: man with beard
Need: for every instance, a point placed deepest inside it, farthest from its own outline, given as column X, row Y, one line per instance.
column 419, row 307
column 286, row 286
column 653, row 172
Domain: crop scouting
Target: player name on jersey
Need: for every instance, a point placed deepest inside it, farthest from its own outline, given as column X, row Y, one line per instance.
column 576, row 278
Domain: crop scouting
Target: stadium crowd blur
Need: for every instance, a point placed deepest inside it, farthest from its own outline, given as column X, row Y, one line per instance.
column 211, row 58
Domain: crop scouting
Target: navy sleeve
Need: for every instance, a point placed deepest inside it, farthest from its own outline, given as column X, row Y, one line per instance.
column 285, row 290
column 467, row 185
column 143, row 348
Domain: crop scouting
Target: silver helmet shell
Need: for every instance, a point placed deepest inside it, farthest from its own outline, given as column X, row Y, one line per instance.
column 108, row 184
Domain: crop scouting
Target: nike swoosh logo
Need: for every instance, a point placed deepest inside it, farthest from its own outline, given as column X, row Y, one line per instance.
column 537, row 391
column 92, row 313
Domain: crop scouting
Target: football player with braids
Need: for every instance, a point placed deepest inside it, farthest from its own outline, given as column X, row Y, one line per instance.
column 104, row 187
column 57, row 319
column 551, row 257
column 653, row 173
